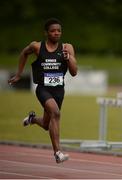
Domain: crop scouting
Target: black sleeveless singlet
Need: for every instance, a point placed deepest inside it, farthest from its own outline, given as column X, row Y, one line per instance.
column 50, row 67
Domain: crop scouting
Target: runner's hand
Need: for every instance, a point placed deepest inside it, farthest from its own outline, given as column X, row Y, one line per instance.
column 14, row 79
column 66, row 53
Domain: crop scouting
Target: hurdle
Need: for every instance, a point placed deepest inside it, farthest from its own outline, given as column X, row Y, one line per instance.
column 101, row 143
column 104, row 104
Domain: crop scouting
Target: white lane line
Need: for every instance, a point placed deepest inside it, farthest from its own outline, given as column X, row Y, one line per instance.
column 23, row 175
column 97, row 162
column 60, row 168
column 71, row 159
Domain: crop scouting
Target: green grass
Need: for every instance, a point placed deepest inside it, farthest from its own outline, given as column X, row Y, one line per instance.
column 10, row 61
column 100, row 62
column 79, row 118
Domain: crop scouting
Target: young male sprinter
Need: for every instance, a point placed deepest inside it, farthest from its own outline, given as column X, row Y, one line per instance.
column 49, row 69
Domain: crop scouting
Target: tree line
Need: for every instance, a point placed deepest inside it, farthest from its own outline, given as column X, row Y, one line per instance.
column 93, row 26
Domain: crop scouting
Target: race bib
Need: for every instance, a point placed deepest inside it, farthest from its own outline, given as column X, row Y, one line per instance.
column 53, row 79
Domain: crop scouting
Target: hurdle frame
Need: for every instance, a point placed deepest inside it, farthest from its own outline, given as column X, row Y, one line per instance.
column 101, row 143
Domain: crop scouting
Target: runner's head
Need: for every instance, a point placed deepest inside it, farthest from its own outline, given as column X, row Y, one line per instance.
column 50, row 22
column 53, row 29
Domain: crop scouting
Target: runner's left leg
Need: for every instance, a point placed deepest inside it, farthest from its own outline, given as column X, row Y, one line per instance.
column 53, row 111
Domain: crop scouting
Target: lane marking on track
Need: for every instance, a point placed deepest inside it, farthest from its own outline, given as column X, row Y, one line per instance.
column 24, row 175
column 70, row 159
column 59, row 168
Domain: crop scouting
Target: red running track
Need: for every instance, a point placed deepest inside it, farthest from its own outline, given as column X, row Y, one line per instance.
column 33, row 163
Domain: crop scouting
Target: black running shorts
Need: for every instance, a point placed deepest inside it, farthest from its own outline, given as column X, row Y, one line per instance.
column 44, row 93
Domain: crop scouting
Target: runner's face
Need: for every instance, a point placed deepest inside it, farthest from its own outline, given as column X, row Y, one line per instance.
column 54, row 33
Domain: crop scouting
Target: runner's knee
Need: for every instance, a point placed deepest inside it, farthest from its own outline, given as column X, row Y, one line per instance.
column 55, row 114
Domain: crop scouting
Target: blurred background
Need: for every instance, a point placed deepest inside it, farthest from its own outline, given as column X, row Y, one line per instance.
column 93, row 27
column 95, row 30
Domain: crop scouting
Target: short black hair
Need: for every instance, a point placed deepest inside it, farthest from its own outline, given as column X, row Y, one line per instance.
column 50, row 22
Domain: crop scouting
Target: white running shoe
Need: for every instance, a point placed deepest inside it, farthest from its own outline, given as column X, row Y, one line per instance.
column 28, row 119
column 60, row 157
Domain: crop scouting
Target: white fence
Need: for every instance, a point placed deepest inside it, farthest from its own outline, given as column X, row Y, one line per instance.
column 87, row 82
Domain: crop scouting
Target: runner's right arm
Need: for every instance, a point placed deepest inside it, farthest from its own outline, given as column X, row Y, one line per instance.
column 22, row 61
